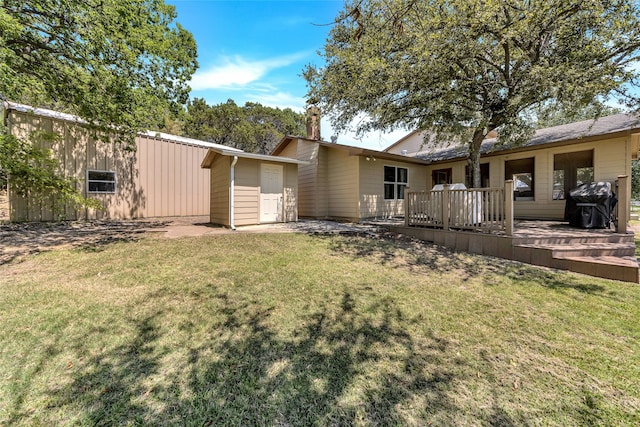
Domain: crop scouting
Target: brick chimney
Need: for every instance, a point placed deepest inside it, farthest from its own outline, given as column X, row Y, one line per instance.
column 313, row 123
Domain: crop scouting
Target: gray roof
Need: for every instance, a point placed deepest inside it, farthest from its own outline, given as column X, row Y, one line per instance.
column 572, row 131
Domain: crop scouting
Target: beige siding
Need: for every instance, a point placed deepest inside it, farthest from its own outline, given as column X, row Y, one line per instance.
column 371, row 177
column 247, row 192
column 291, row 150
column 307, row 178
column 342, row 180
column 412, row 143
column 324, row 190
column 220, row 182
column 290, row 192
column 611, row 158
column 160, row 178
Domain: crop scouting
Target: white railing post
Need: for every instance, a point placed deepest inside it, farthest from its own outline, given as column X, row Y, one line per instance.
column 623, row 204
column 508, row 207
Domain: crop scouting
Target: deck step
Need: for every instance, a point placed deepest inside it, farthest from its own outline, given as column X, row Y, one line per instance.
column 586, row 250
column 609, row 267
column 564, row 240
column 615, row 261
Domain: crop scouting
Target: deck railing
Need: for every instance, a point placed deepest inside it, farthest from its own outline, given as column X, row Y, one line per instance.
column 479, row 209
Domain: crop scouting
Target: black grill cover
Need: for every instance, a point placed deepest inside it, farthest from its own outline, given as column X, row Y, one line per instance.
column 590, row 205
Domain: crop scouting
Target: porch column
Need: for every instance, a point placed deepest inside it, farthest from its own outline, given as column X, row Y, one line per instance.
column 446, row 195
column 623, row 204
column 508, row 207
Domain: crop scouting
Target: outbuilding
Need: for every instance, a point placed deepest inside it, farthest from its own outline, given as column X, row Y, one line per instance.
column 250, row 189
column 161, row 177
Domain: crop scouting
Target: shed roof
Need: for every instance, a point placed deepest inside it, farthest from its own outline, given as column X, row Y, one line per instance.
column 44, row 112
column 188, row 141
column 617, row 124
column 213, row 152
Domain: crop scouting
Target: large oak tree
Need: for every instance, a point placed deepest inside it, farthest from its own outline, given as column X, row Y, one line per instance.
column 462, row 68
column 118, row 64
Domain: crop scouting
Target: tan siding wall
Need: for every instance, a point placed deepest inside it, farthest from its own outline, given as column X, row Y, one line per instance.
column 342, row 174
column 371, row 197
column 291, row 150
column 324, row 190
column 161, row 178
column 247, row 192
column 412, row 144
column 290, row 192
column 611, row 158
column 307, row 178
column 220, row 182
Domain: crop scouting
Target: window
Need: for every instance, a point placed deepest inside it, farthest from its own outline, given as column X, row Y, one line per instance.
column 101, row 182
column 571, row 170
column 395, row 182
column 441, row 176
column 521, row 171
column 484, row 176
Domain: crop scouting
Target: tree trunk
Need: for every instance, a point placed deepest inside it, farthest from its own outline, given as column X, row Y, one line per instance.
column 474, row 157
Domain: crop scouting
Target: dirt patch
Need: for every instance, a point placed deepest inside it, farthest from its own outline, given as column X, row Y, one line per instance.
column 18, row 240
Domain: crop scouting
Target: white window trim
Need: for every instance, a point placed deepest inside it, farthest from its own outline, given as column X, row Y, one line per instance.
column 115, row 181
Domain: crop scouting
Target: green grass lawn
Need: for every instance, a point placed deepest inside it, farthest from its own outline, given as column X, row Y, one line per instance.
column 290, row 329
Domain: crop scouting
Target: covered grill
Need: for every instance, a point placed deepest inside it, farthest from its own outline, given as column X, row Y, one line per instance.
column 590, row 205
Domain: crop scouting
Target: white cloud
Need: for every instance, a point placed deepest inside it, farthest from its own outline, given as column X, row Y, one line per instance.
column 237, row 71
column 277, row 99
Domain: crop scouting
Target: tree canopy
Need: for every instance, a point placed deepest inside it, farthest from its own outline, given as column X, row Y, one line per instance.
column 121, row 65
column 253, row 127
column 462, row 68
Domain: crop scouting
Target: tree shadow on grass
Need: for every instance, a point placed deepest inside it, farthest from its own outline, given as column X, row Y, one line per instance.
column 340, row 365
column 22, row 239
column 337, row 369
column 107, row 388
column 404, row 252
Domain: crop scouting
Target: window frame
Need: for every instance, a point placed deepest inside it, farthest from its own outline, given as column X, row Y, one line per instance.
column 447, row 172
column 570, row 163
column 90, row 181
column 523, row 166
column 396, row 184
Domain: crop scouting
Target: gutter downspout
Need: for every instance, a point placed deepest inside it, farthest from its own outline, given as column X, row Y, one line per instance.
column 232, row 207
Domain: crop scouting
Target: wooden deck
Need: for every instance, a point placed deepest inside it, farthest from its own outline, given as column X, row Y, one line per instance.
column 595, row 252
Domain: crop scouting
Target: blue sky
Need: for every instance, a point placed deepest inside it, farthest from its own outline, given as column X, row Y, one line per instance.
column 256, row 51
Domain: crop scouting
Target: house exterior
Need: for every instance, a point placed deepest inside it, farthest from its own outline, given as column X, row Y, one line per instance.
column 248, row 189
column 545, row 168
column 348, row 183
column 160, row 178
